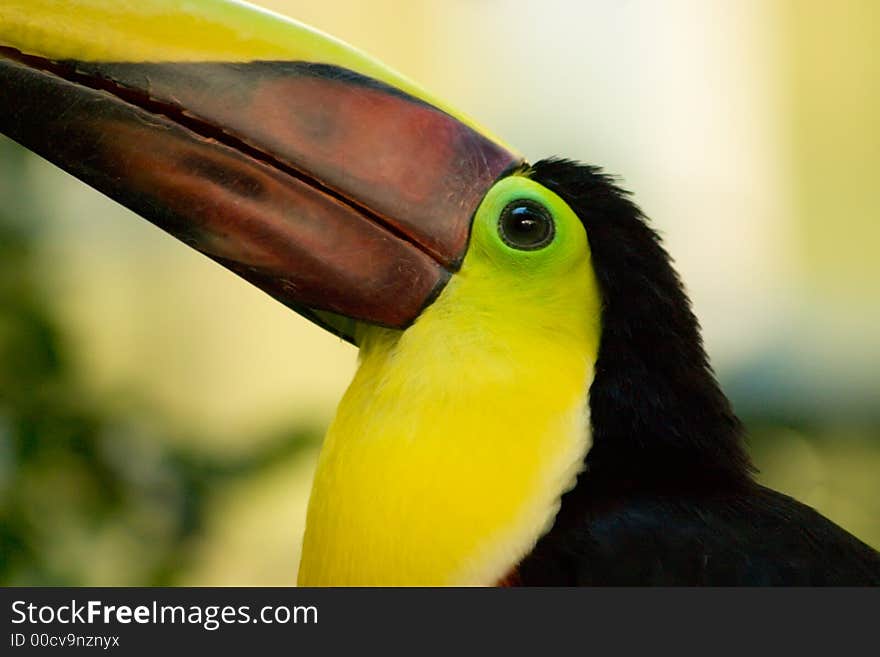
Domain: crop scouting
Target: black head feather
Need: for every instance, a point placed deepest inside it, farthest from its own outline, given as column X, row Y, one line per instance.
column 657, row 411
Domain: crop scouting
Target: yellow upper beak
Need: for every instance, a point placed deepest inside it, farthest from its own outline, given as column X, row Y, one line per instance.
column 188, row 31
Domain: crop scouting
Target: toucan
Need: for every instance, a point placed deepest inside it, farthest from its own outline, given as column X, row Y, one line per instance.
column 533, row 404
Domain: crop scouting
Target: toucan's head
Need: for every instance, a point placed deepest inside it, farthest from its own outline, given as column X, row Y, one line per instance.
column 332, row 183
column 368, row 206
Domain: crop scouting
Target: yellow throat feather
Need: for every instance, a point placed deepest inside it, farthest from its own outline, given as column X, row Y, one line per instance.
column 452, row 446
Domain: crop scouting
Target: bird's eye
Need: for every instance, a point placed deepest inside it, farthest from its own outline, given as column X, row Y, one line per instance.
column 526, row 225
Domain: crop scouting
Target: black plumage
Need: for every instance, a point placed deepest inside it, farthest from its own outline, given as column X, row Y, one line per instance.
column 667, row 495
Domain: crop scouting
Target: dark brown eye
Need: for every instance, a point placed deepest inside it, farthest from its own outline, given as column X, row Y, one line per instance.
column 526, row 225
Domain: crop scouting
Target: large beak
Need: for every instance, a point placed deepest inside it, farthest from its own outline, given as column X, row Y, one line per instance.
column 328, row 181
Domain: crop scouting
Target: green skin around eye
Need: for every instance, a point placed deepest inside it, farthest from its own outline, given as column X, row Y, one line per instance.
column 568, row 247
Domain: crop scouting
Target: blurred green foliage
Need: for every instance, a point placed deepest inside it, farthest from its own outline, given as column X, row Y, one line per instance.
column 80, row 482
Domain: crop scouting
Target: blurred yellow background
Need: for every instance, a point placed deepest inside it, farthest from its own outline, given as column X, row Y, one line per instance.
column 159, row 417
